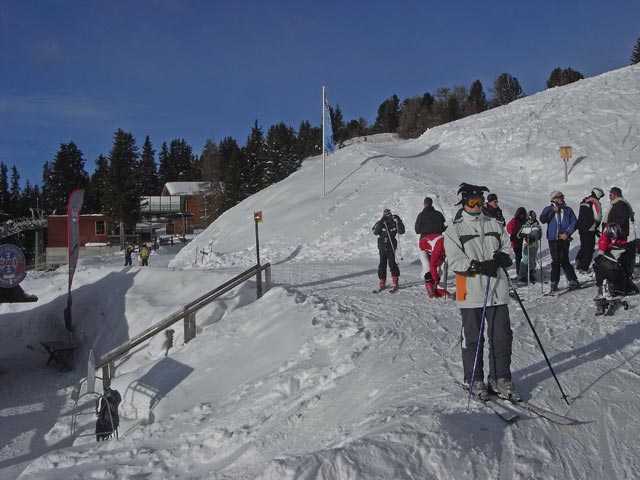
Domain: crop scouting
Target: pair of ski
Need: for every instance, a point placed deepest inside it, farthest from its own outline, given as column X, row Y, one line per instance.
column 564, row 291
column 510, row 411
column 392, row 289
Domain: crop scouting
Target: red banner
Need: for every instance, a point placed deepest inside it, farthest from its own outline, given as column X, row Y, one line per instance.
column 73, row 239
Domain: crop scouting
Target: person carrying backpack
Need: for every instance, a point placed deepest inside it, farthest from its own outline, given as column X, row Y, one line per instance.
column 386, row 229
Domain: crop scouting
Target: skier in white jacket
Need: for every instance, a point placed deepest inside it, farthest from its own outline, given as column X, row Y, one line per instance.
column 477, row 249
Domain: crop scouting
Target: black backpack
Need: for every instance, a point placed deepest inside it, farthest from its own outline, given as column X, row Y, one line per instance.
column 108, row 418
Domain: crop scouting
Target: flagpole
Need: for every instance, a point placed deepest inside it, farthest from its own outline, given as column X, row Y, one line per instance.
column 323, row 140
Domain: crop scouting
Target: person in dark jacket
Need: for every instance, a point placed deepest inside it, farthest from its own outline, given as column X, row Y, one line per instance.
column 561, row 223
column 589, row 219
column 492, row 210
column 430, row 223
column 620, row 212
column 615, row 262
column 386, row 229
column 127, row 256
column 513, row 228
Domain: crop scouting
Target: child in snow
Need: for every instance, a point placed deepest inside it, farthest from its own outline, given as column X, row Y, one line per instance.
column 530, row 233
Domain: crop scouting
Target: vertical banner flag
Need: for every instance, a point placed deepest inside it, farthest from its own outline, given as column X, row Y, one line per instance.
column 327, row 128
column 73, row 238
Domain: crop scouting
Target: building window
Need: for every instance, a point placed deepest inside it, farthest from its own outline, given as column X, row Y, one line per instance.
column 100, row 228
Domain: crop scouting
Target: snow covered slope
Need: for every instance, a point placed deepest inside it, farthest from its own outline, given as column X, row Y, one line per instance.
column 321, row 379
column 513, row 150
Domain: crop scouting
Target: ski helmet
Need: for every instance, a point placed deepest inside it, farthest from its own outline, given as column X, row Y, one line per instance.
column 466, row 190
column 597, row 192
column 613, row 231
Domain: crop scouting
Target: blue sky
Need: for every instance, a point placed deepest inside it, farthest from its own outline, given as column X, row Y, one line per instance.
column 78, row 70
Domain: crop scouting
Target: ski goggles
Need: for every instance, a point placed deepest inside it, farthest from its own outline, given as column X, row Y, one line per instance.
column 474, row 201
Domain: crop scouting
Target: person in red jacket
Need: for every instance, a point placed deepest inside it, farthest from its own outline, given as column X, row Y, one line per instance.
column 513, row 228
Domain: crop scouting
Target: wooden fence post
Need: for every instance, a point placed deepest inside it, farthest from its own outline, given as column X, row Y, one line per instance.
column 189, row 327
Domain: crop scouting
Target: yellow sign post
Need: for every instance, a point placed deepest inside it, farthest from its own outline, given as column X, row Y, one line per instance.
column 565, row 155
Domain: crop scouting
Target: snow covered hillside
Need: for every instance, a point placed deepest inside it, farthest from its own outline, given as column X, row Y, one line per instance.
column 321, row 379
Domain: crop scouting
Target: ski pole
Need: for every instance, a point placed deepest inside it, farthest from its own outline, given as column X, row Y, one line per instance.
column 475, row 361
column 541, row 273
column 526, row 315
column 391, row 241
column 399, row 246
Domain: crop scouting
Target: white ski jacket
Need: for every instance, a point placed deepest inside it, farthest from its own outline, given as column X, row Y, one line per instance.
column 477, row 238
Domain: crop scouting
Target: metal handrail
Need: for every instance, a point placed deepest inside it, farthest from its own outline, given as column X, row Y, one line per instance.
column 187, row 313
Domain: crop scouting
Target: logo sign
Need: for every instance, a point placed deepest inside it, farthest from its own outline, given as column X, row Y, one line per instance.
column 257, row 216
column 565, row 153
column 12, row 266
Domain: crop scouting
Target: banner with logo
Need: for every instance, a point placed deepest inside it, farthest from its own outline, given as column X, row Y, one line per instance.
column 73, row 237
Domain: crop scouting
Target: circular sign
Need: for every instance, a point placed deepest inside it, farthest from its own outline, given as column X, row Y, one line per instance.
column 12, row 266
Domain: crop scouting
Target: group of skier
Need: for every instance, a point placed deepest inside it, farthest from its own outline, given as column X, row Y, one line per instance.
column 478, row 243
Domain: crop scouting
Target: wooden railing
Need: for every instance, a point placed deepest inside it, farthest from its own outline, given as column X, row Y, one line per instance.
column 187, row 313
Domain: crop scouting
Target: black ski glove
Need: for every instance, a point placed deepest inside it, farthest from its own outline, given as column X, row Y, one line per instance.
column 488, row 268
column 502, row 259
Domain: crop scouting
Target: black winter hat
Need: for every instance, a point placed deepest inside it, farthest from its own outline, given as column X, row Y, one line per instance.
column 492, row 197
column 467, row 190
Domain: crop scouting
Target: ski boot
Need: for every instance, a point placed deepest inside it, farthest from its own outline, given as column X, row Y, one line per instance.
column 430, row 290
column 382, row 284
column 479, row 389
column 503, row 387
column 394, row 286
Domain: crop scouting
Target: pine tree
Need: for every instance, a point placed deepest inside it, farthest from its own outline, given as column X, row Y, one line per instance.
column 418, row 114
column 337, row 125
column 232, row 166
column 355, row 128
column 14, row 193
column 476, row 101
column 178, row 164
column 560, row 77
column 254, row 155
column 147, row 175
column 164, row 168
column 65, row 174
column 94, row 199
column 506, row 89
column 635, row 55
column 5, row 212
column 122, row 196
column 211, row 173
column 388, row 117
column 281, row 156
column 309, row 140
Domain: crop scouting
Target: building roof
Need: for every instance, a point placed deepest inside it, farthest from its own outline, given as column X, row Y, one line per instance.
column 184, row 188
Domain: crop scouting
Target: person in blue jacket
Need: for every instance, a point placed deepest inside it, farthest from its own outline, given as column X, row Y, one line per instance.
column 561, row 223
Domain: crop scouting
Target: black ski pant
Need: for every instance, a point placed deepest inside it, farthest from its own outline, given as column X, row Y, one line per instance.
column 517, row 250
column 585, row 254
column 498, row 331
column 559, row 250
column 387, row 257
